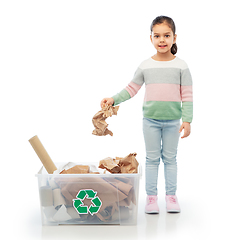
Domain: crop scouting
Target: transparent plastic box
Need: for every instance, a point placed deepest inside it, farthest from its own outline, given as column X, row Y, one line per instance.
column 88, row 198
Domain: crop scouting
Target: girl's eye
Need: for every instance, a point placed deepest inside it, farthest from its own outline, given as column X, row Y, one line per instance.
column 167, row 36
column 156, row 36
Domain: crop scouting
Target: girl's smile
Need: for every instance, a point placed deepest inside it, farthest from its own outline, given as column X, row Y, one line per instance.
column 162, row 46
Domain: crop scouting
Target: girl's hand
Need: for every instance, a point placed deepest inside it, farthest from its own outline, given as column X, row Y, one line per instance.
column 107, row 101
column 187, row 129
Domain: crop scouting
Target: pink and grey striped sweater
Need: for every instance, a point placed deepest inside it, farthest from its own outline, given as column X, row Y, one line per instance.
column 168, row 89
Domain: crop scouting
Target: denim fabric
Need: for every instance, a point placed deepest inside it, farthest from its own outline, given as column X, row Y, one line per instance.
column 161, row 141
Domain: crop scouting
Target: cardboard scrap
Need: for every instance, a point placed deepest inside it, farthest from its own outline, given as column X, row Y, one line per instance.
column 128, row 164
column 76, row 170
column 99, row 120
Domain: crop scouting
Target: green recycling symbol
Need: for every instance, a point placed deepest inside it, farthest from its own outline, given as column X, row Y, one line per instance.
column 89, row 194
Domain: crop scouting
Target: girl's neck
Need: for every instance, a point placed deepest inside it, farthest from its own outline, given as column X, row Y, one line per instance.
column 163, row 56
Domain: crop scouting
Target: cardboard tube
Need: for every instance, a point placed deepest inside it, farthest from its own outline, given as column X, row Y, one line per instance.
column 58, row 198
column 42, row 154
column 46, row 196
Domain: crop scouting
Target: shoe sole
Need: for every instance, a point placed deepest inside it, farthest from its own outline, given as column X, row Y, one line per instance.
column 173, row 211
column 152, row 212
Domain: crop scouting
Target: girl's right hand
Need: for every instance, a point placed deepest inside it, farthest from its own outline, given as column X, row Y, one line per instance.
column 107, row 101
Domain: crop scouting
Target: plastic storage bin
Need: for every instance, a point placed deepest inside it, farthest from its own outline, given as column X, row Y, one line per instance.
column 88, row 198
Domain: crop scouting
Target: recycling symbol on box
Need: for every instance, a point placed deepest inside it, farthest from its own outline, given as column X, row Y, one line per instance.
column 89, row 194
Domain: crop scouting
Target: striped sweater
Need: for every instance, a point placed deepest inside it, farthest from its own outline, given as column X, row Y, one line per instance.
column 168, row 89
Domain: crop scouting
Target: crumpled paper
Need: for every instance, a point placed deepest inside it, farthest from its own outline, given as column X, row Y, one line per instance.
column 128, row 164
column 110, row 165
column 99, row 120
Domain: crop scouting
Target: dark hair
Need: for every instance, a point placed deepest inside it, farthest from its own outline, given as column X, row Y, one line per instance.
column 171, row 24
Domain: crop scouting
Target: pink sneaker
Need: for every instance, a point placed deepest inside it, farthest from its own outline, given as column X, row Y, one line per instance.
column 172, row 204
column 151, row 204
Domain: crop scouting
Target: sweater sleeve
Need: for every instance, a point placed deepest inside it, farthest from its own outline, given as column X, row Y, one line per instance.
column 186, row 95
column 131, row 90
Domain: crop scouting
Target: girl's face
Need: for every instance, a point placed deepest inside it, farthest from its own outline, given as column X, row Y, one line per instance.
column 162, row 38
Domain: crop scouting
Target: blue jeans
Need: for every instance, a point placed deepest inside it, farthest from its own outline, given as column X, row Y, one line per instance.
column 161, row 141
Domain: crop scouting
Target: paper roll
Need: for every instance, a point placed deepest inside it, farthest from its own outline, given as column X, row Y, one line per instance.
column 58, row 198
column 42, row 154
column 46, row 196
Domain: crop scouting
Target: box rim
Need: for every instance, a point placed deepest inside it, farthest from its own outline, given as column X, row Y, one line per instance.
column 88, row 174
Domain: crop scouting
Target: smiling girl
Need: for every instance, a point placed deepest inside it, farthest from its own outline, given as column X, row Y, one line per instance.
column 168, row 98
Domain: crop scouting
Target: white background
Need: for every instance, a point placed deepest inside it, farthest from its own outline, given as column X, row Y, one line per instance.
column 58, row 59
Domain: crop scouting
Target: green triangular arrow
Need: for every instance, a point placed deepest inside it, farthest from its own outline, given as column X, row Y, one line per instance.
column 82, row 209
column 91, row 193
column 81, row 195
column 93, row 209
column 77, row 203
column 96, row 201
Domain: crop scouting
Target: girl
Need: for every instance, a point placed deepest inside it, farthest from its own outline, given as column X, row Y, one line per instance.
column 168, row 97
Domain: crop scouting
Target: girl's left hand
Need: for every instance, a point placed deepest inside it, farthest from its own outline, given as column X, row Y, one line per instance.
column 187, row 129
